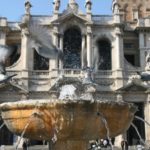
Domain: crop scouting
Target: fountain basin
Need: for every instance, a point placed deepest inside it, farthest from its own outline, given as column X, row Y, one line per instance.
column 73, row 120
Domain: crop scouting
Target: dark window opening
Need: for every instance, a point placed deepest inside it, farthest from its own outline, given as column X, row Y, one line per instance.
column 72, row 48
column 13, row 58
column 40, row 63
column 6, row 137
column 132, row 135
column 130, row 59
column 104, row 49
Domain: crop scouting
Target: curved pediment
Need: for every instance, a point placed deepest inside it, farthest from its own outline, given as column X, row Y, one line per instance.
column 69, row 17
column 134, row 86
column 12, row 87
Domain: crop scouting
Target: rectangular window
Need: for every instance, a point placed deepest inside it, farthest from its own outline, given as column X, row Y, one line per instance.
column 128, row 45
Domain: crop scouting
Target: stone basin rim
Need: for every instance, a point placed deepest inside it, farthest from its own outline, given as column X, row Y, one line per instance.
column 40, row 103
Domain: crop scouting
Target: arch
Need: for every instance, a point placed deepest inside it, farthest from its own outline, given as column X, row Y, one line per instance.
column 72, row 48
column 141, row 11
column 127, row 12
column 104, row 54
column 71, row 24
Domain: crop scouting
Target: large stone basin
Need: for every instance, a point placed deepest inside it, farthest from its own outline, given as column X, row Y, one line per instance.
column 73, row 120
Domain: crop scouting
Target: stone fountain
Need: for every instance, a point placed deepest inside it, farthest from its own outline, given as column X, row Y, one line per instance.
column 71, row 119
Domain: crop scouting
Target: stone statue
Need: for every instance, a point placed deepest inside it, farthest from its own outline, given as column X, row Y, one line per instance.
column 147, row 66
column 116, row 8
column 88, row 5
column 27, row 7
column 145, row 75
column 56, row 5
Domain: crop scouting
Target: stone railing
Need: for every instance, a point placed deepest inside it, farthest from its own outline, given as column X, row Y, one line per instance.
column 45, row 74
column 104, row 73
column 144, row 22
column 67, row 72
column 129, row 73
column 14, row 25
column 102, row 19
column 39, row 74
column 12, row 72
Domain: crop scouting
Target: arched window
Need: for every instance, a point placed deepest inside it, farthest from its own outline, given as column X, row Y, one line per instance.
column 104, row 50
column 128, row 13
column 141, row 11
column 72, row 48
column 40, row 63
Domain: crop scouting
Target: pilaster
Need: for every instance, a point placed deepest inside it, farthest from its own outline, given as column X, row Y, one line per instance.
column 142, row 50
column 89, row 46
column 61, row 46
column 3, row 30
column 26, row 54
column 119, row 49
column 83, row 51
column 54, row 62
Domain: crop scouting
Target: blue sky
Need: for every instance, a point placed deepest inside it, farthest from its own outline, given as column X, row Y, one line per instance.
column 14, row 9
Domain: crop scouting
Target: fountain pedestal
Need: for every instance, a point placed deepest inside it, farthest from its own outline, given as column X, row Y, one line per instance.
column 70, row 145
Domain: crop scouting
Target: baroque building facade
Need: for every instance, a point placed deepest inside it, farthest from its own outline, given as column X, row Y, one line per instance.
column 115, row 46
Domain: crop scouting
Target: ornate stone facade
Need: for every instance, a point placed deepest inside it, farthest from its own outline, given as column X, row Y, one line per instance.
column 124, row 36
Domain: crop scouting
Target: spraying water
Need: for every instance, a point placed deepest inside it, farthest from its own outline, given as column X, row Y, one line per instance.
column 23, row 132
column 33, row 114
column 139, row 118
column 107, row 128
column 140, row 137
column 2, row 126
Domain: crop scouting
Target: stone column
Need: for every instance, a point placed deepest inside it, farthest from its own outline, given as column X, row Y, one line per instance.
column 24, row 48
column 54, row 62
column 83, row 61
column 119, row 50
column 147, row 118
column 61, row 46
column 89, row 46
column 118, row 58
column 3, row 30
column 26, row 55
column 2, row 37
column 142, row 51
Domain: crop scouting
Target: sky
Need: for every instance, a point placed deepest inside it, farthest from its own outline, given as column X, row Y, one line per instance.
column 14, row 9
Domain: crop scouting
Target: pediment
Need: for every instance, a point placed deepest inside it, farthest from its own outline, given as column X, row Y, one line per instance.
column 69, row 17
column 12, row 87
column 133, row 87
